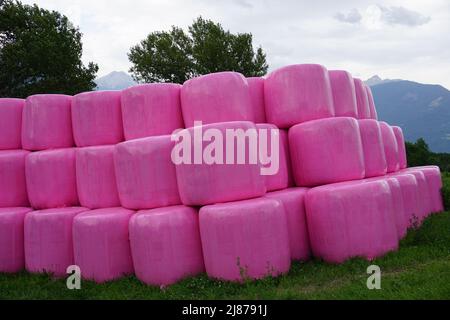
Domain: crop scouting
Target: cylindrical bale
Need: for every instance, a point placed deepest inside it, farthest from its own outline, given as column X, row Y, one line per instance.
column 434, row 180
column 97, row 118
column 13, row 187
column 96, row 177
column 344, row 94
column 101, row 244
column 362, row 100
column 12, row 257
column 47, row 122
column 146, row 176
column 293, row 201
column 372, row 108
column 326, row 151
column 11, row 123
column 216, row 97
column 409, row 186
column 151, row 110
column 256, row 87
column 165, row 245
column 402, row 160
column 424, row 194
column 245, row 239
column 372, row 142
column 51, row 179
column 298, row 93
column 390, row 147
column 48, row 240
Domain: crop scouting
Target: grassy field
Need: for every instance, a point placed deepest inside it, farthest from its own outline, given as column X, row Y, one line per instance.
column 419, row 270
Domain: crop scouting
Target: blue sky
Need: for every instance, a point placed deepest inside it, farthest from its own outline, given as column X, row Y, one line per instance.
column 394, row 39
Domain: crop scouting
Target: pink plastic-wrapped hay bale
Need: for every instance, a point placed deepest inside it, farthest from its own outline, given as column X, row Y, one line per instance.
column 13, row 187
column 402, row 160
column 372, row 108
column 48, row 240
column 216, row 97
column 145, row 173
column 372, row 142
column 351, row 219
column 51, row 178
column 256, row 87
column 298, row 93
column 165, row 245
column 101, row 244
column 211, row 178
column 12, row 257
column 344, row 94
column 245, row 239
column 390, row 147
column 362, row 100
column 96, row 177
column 151, row 110
column 11, row 123
column 97, row 118
column 409, row 186
column 425, row 194
column 326, row 151
column 47, row 122
column 434, row 181
column 293, row 201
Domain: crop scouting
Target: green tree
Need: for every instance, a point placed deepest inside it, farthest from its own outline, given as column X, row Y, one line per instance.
column 176, row 56
column 418, row 153
column 40, row 52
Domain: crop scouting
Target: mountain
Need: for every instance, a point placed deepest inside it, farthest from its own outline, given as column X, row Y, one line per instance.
column 377, row 80
column 115, row 81
column 421, row 110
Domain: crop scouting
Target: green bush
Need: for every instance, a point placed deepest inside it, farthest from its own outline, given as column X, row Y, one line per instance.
column 446, row 189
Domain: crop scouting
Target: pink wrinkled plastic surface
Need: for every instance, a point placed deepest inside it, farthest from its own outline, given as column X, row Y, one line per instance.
column 145, row 173
column 97, row 118
column 151, row 110
column 372, row 142
column 12, row 257
column 390, row 147
column 256, row 87
column 434, row 181
column 424, row 196
column 46, row 122
column 372, row 108
column 203, row 184
column 351, row 219
column 96, row 178
column 51, row 179
column 246, row 239
column 402, row 161
column 48, row 240
column 165, row 245
column 101, row 244
column 11, row 123
column 293, row 201
column 216, row 97
column 298, row 93
column 326, row 151
column 13, row 188
column 362, row 100
column 344, row 94
column 409, row 187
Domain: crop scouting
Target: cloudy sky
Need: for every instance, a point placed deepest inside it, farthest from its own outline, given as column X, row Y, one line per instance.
column 406, row 39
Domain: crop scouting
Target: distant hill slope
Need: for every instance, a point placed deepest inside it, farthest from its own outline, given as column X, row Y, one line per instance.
column 116, row 80
column 421, row 110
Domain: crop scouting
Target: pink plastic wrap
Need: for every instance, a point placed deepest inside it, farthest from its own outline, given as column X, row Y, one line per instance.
column 293, row 201
column 344, row 94
column 409, row 187
column 46, row 122
column 48, row 240
column 101, row 244
column 245, row 240
column 424, row 197
column 216, row 97
column 256, row 87
column 13, row 187
column 351, row 219
column 362, row 100
column 372, row 108
column 281, row 179
column 434, row 182
column 11, row 123
column 202, row 184
column 151, row 110
column 403, row 162
column 51, row 179
column 326, row 151
column 145, row 173
column 12, row 257
column 165, row 245
column 285, row 140
column 97, row 118
column 372, row 142
column 390, row 147
column 96, row 178
column 298, row 93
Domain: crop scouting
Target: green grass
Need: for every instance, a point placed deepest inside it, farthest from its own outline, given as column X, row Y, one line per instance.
column 420, row 269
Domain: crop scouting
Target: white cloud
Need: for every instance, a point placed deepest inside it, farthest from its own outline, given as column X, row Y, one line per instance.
column 353, row 16
column 403, row 16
